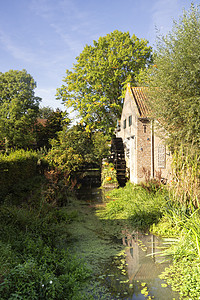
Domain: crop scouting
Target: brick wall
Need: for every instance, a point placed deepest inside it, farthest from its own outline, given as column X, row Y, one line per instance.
column 143, row 149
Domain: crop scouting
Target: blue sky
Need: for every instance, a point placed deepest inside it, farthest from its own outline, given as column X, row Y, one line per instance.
column 45, row 36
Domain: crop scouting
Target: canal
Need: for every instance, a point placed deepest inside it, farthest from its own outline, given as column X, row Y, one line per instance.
column 123, row 261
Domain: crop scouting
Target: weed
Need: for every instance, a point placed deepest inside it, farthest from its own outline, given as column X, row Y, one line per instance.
column 135, row 204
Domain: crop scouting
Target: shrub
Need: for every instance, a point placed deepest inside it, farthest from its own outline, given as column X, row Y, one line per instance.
column 19, row 172
column 108, row 174
column 31, row 265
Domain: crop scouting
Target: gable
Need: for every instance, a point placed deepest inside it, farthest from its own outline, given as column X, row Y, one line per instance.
column 139, row 100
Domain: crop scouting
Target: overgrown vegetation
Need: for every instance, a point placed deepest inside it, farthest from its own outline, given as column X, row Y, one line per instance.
column 108, row 175
column 34, row 263
column 136, row 204
column 151, row 207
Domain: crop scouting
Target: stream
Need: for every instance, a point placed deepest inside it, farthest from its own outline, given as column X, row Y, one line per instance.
column 123, row 261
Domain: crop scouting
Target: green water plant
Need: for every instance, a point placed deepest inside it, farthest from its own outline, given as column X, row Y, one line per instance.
column 183, row 242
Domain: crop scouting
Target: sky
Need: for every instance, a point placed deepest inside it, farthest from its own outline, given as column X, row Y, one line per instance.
column 44, row 37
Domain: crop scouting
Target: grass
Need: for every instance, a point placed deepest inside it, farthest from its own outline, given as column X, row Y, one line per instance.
column 33, row 263
column 184, row 274
column 135, row 204
column 148, row 207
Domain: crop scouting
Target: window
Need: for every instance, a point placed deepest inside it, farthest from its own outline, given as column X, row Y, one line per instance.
column 124, row 124
column 145, row 128
column 162, row 156
column 130, row 120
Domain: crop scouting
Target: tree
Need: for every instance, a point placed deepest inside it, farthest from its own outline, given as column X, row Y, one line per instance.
column 18, row 108
column 174, row 80
column 75, row 150
column 51, row 126
column 93, row 88
column 45, row 112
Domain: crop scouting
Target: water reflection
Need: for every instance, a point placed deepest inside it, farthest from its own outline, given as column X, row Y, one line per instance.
column 144, row 264
column 141, row 267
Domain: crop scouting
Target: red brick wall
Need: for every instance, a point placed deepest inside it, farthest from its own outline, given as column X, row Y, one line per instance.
column 143, row 150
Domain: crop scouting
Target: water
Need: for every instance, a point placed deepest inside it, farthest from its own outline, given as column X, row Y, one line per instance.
column 133, row 272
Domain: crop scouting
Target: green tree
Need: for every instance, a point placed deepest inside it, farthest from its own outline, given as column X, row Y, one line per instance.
column 75, row 150
column 94, row 87
column 174, row 80
column 45, row 112
column 51, row 126
column 18, row 108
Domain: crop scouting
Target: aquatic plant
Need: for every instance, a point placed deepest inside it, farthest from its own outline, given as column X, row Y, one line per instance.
column 184, row 248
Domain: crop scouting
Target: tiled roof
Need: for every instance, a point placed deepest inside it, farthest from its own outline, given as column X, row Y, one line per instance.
column 41, row 121
column 141, row 101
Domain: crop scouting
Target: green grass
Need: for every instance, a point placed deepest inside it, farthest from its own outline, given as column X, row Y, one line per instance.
column 150, row 207
column 33, row 263
column 138, row 205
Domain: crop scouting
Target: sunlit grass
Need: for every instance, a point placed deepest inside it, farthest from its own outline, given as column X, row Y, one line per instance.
column 136, row 204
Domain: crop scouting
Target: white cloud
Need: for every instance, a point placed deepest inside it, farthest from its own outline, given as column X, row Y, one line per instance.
column 16, row 51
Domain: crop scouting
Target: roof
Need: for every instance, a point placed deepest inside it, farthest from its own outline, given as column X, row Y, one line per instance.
column 41, row 121
column 141, row 101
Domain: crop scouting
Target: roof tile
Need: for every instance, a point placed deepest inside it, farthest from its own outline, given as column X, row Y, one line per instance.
column 141, row 101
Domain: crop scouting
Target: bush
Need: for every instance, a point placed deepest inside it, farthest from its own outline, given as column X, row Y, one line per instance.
column 53, row 275
column 31, row 265
column 17, row 171
column 108, row 174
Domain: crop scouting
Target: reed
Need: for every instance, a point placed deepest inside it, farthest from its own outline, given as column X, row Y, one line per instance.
column 185, row 184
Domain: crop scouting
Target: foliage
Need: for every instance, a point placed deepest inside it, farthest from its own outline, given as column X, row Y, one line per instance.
column 134, row 203
column 33, row 268
column 183, row 274
column 45, row 112
column 93, row 88
column 58, row 183
column 174, row 80
column 75, row 150
column 108, row 174
column 101, row 147
column 71, row 150
column 18, row 109
column 183, row 277
column 185, row 185
column 49, row 130
column 20, row 171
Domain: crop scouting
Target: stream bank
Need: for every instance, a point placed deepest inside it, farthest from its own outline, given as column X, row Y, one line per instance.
column 122, row 261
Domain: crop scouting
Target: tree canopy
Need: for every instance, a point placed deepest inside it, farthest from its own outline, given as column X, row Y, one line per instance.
column 49, row 127
column 76, row 149
column 18, row 108
column 174, row 80
column 94, row 86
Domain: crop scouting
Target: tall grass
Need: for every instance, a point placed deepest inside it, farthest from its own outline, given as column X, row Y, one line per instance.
column 136, row 204
column 185, row 186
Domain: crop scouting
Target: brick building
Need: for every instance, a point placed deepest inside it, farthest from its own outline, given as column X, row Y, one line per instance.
column 145, row 151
